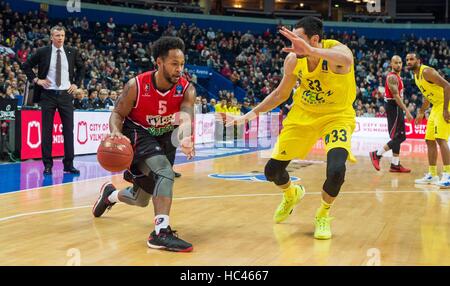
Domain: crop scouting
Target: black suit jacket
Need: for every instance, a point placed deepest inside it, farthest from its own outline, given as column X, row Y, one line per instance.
column 42, row 59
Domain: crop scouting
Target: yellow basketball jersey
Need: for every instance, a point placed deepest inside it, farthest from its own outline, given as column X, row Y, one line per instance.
column 433, row 92
column 218, row 107
column 322, row 91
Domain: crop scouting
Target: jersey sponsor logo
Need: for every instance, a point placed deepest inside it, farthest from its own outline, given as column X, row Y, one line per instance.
column 314, row 93
column 315, row 97
column 178, row 91
column 249, row 177
column 160, row 121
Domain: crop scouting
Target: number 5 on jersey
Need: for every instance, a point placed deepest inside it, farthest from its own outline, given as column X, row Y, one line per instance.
column 162, row 107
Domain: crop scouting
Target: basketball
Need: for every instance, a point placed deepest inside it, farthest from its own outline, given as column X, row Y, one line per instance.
column 115, row 154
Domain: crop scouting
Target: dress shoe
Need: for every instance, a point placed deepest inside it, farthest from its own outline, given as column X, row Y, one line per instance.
column 47, row 170
column 72, row 170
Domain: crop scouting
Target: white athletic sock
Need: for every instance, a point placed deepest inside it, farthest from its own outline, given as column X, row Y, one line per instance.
column 161, row 221
column 381, row 151
column 114, row 197
column 395, row 161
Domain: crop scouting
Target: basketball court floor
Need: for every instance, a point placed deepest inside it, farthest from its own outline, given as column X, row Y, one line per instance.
column 224, row 207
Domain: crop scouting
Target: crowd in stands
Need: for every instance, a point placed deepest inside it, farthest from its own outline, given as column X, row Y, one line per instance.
column 227, row 104
column 113, row 54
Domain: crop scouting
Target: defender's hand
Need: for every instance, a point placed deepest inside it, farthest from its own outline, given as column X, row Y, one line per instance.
column 299, row 46
column 419, row 118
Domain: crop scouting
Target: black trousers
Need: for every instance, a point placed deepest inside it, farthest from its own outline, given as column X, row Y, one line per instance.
column 396, row 125
column 50, row 101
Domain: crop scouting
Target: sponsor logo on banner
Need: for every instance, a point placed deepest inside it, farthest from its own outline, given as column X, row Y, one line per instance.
column 82, row 132
column 414, row 131
column 92, row 127
column 378, row 128
column 31, row 137
column 34, row 134
column 250, row 177
column 204, row 128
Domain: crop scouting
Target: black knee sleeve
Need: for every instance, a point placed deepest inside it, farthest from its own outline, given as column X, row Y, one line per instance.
column 275, row 171
column 336, row 159
column 394, row 144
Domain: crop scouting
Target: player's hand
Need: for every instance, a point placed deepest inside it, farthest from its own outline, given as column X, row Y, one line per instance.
column 119, row 135
column 419, row 118
column 409, row 116
column 446, row 116
column 234, row 120
column 299, row 46
column 239, row 120
column 187, row 147
column 72, row 88
column 45, row 83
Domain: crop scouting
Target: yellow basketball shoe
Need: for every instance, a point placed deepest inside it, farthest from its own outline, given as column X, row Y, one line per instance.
column 323, row 227
column 287, row 204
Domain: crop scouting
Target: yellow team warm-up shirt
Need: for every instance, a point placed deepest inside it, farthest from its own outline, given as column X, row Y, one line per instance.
column 219, row 108
column 432, row 92
column 322, row 91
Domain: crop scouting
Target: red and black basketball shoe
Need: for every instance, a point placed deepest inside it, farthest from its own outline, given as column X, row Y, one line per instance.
column 167, row 239
column 375, row 160
column 102, row 203
column 399, row 169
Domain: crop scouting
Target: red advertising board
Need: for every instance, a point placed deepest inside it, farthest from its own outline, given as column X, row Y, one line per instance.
column 414, row 131
column 31, row 135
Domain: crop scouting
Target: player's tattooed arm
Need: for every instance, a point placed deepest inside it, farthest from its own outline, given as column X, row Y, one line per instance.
column 393, row 87
column 431, row 75
column 125, row 102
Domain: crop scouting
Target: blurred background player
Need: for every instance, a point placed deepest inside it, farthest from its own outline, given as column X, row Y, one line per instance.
column 145, row 115
column 396, row 119
column 436, row 90
column 322, row 108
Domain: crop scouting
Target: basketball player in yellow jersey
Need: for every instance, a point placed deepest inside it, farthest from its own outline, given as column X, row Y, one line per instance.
column 435, row 90
column 322, row 109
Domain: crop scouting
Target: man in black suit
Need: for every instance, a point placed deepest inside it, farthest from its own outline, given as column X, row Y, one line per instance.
column 60, row 69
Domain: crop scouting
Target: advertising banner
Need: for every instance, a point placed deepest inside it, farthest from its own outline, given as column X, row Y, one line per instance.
column 31, row 135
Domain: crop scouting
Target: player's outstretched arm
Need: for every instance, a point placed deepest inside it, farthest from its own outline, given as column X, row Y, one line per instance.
column 276, row 97
column 431, row 75
column 339, row 55
column 122, row 108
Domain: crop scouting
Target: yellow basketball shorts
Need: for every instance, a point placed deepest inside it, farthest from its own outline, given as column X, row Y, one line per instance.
column 302, row 129
column 437, row 127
